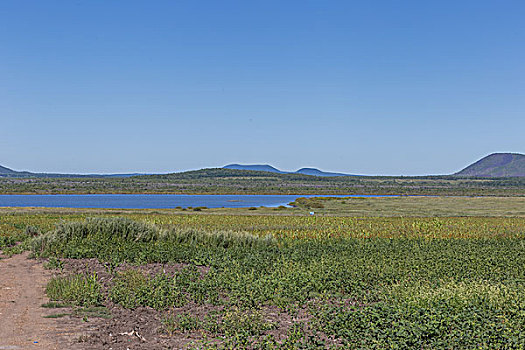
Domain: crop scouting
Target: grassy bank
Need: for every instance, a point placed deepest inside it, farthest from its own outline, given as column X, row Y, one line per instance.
column 416, row 206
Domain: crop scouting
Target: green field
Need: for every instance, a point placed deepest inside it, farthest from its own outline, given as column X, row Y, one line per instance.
column 271, row 278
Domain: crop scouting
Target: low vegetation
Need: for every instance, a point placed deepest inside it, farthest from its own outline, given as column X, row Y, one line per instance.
column 353, row 283
column 414, row 206
column 79, row 289
column 269, row 282
column 229, row 181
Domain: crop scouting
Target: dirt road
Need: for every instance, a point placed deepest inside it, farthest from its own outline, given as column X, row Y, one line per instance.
column 22, row 325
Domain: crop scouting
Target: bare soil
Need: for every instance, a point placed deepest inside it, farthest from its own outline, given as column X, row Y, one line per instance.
column 22, row 318
column 23, row 322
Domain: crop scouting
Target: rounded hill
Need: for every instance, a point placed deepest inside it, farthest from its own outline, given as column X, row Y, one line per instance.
column 496, row 165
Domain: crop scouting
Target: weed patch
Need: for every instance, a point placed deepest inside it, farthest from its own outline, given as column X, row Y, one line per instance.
column 79, row 289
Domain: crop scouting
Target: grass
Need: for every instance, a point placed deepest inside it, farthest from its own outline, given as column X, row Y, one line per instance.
column 416, row 206
column 57, row 315
column 55, row 305
column 356, row 282
column 84, row 312
column 54, row 263
column 429, row 287
column 78, row 289
column 123, row 229
column 233, row 322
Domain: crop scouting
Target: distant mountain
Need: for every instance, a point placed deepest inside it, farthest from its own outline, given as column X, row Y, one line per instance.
column 110, row 175
column 496, row 165
column 254, row 167
column 4, row 170
column 271, row 169
column 317, row 172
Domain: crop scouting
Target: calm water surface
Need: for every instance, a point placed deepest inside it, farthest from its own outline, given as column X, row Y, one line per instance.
column 150, row 201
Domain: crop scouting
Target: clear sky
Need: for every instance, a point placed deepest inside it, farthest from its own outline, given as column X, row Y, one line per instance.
column 363, row 87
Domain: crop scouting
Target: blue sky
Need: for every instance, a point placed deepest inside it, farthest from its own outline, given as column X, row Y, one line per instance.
column 364, row 87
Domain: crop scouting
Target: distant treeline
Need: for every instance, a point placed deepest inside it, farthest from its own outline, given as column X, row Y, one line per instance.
column 229, row 181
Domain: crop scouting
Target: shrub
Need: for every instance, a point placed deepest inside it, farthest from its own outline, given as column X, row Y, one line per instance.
column 185, row 323
column 7, row 241
column 32, row 231
column 54, row 263
column 309, row 203
column 236, row 322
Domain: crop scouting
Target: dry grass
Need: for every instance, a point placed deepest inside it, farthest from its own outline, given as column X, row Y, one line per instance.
column 423, row 206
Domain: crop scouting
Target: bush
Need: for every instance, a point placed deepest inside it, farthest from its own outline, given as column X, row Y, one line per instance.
column 32, row 231
column 309, row 203
column 236, row 322
column 7, row 241
column 54, row 263
column 184, row 323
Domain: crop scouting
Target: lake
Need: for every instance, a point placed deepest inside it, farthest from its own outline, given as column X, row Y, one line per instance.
column 151, row 201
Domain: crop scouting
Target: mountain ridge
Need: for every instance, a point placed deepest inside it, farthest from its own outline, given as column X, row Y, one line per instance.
column 4, row 171
column 493, row 165
column 254, row 167
column 271, row 169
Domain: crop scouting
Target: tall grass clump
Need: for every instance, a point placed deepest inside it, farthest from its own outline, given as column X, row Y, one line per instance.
column 133, row 288
column 74, row 239
column 79, row 289
column 105, row 229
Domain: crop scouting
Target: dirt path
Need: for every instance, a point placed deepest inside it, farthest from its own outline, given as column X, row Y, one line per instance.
column 22, row 325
